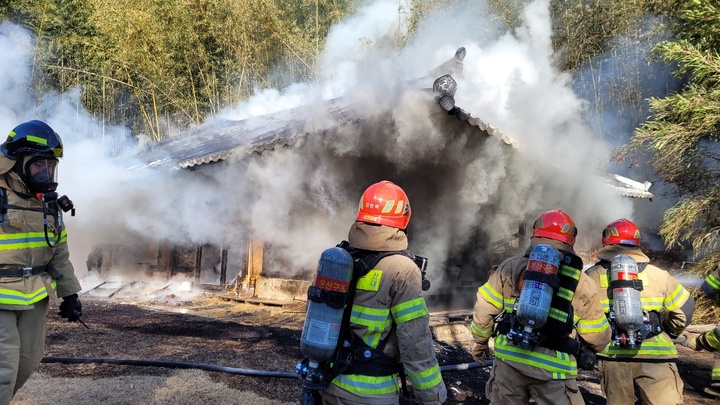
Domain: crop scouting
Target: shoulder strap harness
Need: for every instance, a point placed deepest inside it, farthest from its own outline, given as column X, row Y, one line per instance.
column 352, row 355
column 51, row 205
column 555, row 334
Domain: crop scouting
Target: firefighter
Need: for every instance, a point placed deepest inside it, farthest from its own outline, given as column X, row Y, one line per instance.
column 546, row 372
column 34, row 260
column 710, row 340
column 667, row 307
column 388, row 307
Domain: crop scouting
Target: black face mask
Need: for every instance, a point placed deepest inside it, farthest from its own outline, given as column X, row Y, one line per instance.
column 40, row 174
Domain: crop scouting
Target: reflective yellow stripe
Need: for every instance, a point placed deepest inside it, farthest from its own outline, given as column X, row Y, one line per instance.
column 647, row 303
column 426, row 379
column 592, row 325
column 370, row 281
column 375, row 319
column 605, row 304
column 658, row 347
column 604, row 280
column 11, row 297
column 565, row 294
column 409, row 310
column 493, row 297
column 712, row 338
column 36, row 139
column 482, row 332
column 28, row 240
column 713, row 281
column 677, row 298
column 372, row 336
column 509, row 304
column 370, row 317
column 558, row 314
column 570, row 272
column 367, row 385
column 652, row 303
column 562, row 364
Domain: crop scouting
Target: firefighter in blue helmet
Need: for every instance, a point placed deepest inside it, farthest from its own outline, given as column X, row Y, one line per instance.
column 34, row 261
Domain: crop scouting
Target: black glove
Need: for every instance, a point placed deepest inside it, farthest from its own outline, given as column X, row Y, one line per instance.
column 701, row 343
column 71, row 308
column 586, row 358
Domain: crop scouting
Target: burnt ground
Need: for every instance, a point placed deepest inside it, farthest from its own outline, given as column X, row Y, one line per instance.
column 214, row 331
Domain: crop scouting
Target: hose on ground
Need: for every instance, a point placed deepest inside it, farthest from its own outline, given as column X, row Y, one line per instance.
column 222, row 369
column 171, row 364
column 465, row 366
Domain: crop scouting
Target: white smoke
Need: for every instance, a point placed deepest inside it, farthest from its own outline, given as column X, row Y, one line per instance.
column 303, row 199
column 618, row 85
column 508, row 80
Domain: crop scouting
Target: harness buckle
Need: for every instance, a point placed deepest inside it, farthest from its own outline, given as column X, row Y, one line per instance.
column 27, row 271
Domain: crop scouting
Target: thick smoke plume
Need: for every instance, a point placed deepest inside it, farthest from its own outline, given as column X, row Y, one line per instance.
column 467, row 189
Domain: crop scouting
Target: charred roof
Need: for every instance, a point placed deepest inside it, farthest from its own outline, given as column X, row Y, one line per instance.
column 220, row 140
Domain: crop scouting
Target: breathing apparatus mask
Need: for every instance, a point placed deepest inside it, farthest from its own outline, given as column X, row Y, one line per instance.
column 39, row 173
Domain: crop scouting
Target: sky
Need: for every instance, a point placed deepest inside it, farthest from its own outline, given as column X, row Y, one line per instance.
column 304, row 199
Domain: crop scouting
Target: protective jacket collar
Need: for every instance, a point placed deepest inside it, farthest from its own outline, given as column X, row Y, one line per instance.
column 379, row 238
column 610, row 251
column 564, row 248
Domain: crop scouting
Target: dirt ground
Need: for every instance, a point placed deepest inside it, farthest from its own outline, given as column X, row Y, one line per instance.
column 213, row 331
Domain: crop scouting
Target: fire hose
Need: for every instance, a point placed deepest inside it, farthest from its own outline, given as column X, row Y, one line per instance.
column 222, row 369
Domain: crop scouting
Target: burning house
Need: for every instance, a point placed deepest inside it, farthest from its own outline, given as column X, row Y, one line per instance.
column 472, row 189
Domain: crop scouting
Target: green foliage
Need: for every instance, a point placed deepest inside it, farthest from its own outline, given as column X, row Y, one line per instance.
column 155, row 64
column 683, row 132
column 582, row 29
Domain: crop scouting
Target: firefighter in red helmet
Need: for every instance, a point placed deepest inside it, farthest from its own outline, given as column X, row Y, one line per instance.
column 546, row 368
column 388, row 312
column 34, row 261
column 642, row 359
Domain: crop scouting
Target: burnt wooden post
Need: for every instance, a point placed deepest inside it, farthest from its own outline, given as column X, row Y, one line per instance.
column 198, row 261
column 173, row 260
column 223, row 265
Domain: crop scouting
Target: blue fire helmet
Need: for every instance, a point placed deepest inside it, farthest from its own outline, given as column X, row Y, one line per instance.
column 32, row 138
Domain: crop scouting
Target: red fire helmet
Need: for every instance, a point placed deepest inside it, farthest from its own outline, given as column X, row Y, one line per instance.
column 555, row 225
column 384, row 203
column 621, row 232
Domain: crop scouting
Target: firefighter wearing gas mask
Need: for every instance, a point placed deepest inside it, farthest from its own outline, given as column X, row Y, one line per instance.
column 647, row 309
column 34, row 261
column 545, row 316
column 389, row 320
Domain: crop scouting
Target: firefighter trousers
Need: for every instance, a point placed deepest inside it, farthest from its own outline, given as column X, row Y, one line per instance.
column 346, row 398
column 507, row 385
column 657, row 383
column 22, row 345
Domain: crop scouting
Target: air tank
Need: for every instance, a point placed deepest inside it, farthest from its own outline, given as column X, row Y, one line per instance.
column 535, row 297
column 627, row 306
column 326, row 304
